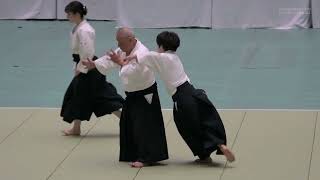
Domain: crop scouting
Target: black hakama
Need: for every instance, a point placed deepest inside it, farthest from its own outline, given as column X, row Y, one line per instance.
column 142, row 133
column 89, row 93
column 198, row 121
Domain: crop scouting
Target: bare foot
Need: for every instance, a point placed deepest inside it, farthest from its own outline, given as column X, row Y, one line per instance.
column 207, row 160
column 227, row 153
column 71, row 132
column 137, row 164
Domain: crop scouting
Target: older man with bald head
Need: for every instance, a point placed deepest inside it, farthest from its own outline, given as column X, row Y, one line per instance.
column 126, row 40
column 142, row 133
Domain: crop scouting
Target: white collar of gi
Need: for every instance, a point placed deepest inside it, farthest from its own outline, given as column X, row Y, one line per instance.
column 79, row 25
column 170, row 52
column 84, row 21
column 136, row 47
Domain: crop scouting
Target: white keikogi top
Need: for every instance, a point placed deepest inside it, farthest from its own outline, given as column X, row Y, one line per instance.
column 83, row 43
column 133, row 77
column 169, row 67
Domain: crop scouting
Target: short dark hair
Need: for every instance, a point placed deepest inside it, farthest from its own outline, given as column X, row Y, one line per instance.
column 168, row 40
column 76, row 7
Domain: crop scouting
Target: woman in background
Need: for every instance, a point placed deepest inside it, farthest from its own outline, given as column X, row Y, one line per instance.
column 88, row 92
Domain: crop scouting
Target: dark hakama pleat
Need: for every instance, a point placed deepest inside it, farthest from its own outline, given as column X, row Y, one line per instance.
column 89, row 93
column 198, row 121
column 142, row 133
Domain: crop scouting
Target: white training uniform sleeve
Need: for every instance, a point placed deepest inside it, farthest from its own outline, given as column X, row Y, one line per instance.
column 150, row 59
column 104, row 64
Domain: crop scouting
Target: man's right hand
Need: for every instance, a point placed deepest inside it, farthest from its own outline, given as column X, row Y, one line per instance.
column 89, row 64
column 116, row 58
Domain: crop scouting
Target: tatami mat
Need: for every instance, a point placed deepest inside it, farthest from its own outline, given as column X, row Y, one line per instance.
column 268, row 145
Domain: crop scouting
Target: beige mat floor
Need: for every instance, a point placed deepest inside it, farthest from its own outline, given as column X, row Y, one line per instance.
column 269, row 144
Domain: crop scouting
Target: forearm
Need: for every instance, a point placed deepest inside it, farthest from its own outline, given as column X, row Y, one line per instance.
column 103, row 65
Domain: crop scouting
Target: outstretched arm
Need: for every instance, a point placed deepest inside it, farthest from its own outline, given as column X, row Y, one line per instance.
column 103, row 64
